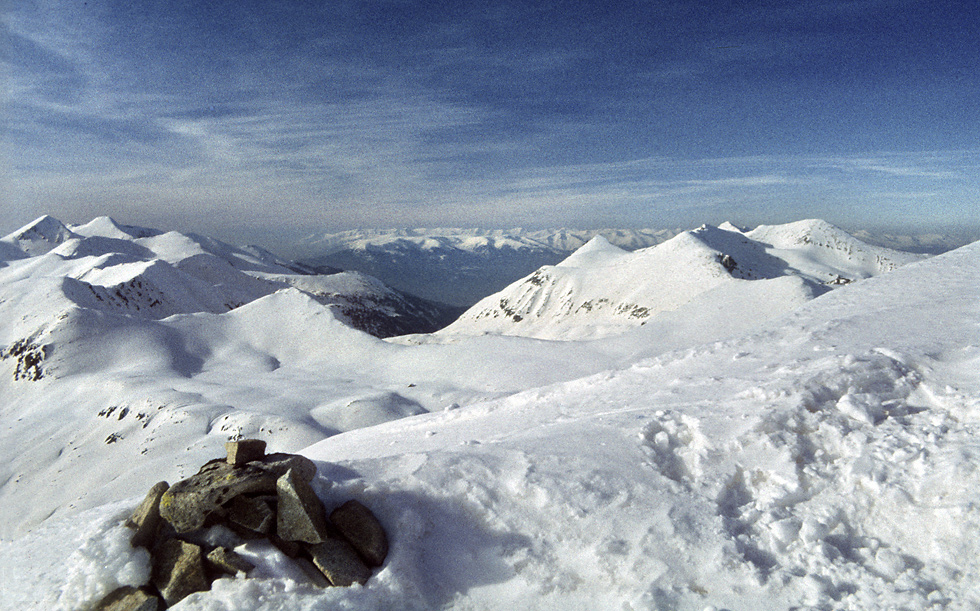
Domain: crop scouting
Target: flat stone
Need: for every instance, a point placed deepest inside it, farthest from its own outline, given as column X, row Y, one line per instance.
column 228, row 561
column 178, row 570
column 339, row 562
column 253, row 513
column 300, row 515
column 188, row 503
column 244, row 451
column 279, row 463
column 362, row 530
column 146, row 518
column 128, row 598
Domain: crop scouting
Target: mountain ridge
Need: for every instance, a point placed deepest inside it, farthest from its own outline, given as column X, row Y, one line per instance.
column 602, row 290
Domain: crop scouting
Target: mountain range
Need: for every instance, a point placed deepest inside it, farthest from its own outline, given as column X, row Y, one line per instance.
column 770, row 418
column 147, row 273
column 602, row 290
column 458, row 266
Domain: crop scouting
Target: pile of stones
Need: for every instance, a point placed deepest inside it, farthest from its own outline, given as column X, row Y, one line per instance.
column 255, row 495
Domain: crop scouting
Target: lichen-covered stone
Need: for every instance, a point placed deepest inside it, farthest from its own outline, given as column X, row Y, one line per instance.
column 362, row 530
column 178, row 570
column 244, row 451
column 227, row 561
column 128, row 598
column 146, row 517
column 188, row 503
column 300, row 515
column 338, row 562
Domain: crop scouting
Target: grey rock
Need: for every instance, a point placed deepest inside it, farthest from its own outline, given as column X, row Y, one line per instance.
column 300, row 516
column 290, row 548
column 128, row 598
column 146, row 517
column 254, row 513
column 178, row 570
column 244, row 451
column 188, row 503
column 279, row 463
column 339, row 562
column 362, row 530
column 318, row 578
column 227, row 561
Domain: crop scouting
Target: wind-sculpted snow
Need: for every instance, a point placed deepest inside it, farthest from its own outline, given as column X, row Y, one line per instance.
column 824, row 458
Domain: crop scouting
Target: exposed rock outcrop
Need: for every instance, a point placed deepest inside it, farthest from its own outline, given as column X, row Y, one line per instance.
column 255, row 496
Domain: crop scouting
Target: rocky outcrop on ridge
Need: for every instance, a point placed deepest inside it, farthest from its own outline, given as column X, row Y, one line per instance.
column 255, row 495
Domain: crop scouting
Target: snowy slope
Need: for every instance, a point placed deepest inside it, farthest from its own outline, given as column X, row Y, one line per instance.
column 826, row 460
column 458, row 266
column 601, row 290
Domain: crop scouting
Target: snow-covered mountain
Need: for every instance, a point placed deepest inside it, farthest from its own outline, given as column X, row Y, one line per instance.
column 458, row 266
column 823, row 459
column 602, row 290
column 145, row 273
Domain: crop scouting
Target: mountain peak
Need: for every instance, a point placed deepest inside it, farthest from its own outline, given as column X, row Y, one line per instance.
column 108, row 227
column 596, row 251
column 40, row 235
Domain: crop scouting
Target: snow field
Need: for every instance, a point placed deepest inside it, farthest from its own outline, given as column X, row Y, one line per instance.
column 825, row 459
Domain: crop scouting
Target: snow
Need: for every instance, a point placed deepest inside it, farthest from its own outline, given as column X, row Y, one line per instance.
column 601, row 290
column 765, row 448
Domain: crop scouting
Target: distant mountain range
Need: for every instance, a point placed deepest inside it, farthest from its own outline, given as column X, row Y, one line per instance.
column 458, row 266
column 150, row 274
column 603, row 290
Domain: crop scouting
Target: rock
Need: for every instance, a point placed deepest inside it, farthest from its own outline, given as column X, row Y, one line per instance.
column 339, row 562
column 280, row 463
column 227, row 561
column 300, row 515
column 188, row 503
column 128, row 598
column 318, row 578
column 362, row 530
column 244, row 451
column 254, row 513
column 290, row 548
column 178, row 570
column 146, row 518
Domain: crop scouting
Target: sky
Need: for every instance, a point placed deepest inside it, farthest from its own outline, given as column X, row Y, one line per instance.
column 263, row 122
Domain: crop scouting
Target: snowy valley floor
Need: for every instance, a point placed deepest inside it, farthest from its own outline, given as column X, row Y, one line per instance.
column 826, row 461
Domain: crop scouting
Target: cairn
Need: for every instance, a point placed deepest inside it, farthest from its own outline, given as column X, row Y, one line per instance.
column 256, row 496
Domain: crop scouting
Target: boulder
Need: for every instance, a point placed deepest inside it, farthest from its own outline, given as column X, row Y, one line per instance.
column 300, row 516
column 228, row 561
column 128, row 598
column 362, row 530
column 339, row 562
column 257, row 514
column 187, row 504
column 244, row 451
column 146, row 519
column 178, row 570
column 280, row 463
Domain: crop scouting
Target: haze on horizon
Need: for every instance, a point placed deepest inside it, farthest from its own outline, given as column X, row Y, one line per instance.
column 264, row 122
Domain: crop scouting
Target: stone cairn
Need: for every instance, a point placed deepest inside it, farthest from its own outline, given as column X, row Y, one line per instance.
column 256, row 496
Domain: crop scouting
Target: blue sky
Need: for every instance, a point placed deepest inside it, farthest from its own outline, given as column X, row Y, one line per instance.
column 260, row 121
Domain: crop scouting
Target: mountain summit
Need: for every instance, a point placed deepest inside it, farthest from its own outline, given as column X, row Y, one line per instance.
column 601, row 290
